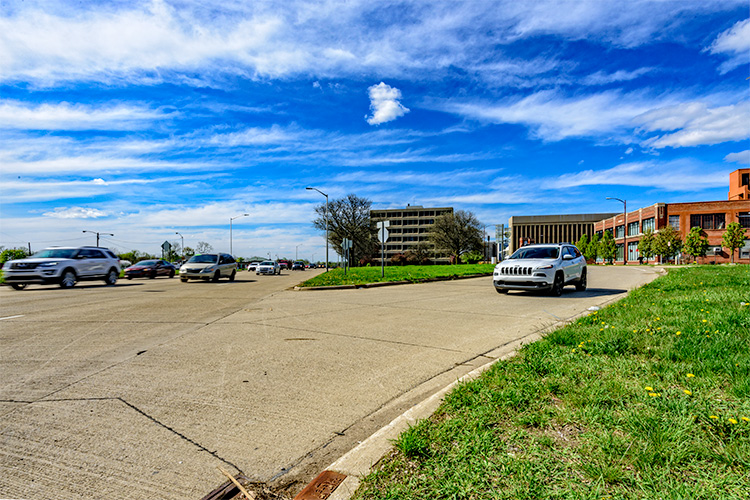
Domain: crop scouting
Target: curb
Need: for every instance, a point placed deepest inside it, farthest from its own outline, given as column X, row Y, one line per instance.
column 359, row 461
column 389, row 283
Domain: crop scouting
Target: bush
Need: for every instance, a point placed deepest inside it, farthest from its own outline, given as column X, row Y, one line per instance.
column 398, row 260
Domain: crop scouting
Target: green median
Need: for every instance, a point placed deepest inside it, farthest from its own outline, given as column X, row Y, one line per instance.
column 414, row 274
column 647, row 398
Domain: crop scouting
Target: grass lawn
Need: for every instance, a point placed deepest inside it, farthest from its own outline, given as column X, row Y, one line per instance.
column 647, row 398
column 363, row 275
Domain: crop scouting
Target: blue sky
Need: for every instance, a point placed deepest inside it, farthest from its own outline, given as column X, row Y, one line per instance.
column 144, row 119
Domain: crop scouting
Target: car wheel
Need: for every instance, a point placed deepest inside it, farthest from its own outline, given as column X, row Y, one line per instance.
column 504, row 291
column 231, row 277
column 257, row 274
column 557, row 286
column 68, row 279
column 128, row 277
column 184, row 280
column 216, row 277
column 171, row 273
column 111, row 277
column 18, row 286
column 152, row 275
column 581, row 285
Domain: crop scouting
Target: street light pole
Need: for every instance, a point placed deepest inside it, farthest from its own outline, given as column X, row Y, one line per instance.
column 230, row 231
column 296, row 248
column 97, row 235
column 183, row 245
column 625, row 232
column 321, row 192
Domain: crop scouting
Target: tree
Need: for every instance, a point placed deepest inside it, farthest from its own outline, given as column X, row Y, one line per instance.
column 456, row 233
column 349, row 218
column 188, row 252
column 12, row 254
column 135, row 256
column 667, row 242
column 591, row 252
column 733, row 238
column 646, row 245
column 582, row 243
column 203, row 247
column 421, row 254
column 608, row 247
column 696, row 244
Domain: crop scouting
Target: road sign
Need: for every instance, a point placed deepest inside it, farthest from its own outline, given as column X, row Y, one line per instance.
column 166, row 246
column 383, row 230
column 346, row 243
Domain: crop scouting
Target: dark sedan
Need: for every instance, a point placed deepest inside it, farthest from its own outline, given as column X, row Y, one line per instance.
column 150, row 269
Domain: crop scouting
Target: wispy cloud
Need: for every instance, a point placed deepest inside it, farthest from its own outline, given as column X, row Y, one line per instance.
column 603, row 78
column 75, row 213
column 735, row 44
column 742, row 157
column 65, row 116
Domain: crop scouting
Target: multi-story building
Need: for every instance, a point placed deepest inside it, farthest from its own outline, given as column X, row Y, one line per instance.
column 408, row 227
column 711, row 216
column 527, row 229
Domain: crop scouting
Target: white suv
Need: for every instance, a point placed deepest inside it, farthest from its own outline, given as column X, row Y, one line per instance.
column 209, row 266
column 542, row 267
column 63, row 266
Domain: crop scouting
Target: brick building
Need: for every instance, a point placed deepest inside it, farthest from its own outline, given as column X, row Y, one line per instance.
column 711, row 216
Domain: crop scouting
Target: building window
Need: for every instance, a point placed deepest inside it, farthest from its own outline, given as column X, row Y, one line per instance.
column 620, row 252
column 745, row 250
column 650, row 224
column 674, row 221
column 707, row 221
column 745, row 180
column 633, row 228
column 619, row 231
column 632, row 251
column 744, row 219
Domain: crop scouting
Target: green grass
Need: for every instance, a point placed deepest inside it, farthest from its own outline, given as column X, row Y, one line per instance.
column 363, row 275
column 647, row 398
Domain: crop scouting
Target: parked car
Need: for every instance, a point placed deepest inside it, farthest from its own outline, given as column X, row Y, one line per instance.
column 253, row 266
column 298, row 266
column 150, row 269
column 268, row 267
column 541, row 267
column 209, row 266
column 63, row 266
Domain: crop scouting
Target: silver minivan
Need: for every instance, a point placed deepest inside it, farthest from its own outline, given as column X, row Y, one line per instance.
column 209, row 266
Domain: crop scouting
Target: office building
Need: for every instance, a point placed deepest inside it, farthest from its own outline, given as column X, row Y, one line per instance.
column 408, row 227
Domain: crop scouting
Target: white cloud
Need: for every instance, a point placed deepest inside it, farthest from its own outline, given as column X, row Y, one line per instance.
column 677, row 175
column 742, row 157
column 65, row 116
column 696, row 124
column 75, row 213
column 384, row 104
column 735, row 43
column 602, row 78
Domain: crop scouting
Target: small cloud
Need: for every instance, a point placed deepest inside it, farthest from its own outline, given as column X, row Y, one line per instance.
column 581, row 162
column 75, row 213
column 384, row 103
column 316, row 85
column 99, row 182
column 629, row 151
column 743, row 157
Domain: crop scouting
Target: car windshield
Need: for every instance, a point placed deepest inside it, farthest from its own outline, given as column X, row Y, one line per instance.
column 55, row 253
column 208, row 258
column 267, row 263
column 536, row 253
column 146, row 263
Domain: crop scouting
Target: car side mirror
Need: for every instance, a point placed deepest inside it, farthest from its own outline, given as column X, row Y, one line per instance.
column 568, row 257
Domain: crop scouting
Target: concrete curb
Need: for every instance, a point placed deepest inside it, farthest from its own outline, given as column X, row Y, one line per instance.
column 389, row 283
column 359, row 461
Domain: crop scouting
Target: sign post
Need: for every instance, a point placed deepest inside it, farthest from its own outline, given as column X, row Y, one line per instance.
column 346, row 245
column 166, row 247
column 383, row 237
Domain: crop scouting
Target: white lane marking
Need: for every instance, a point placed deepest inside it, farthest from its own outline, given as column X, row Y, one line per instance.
column 13, row 317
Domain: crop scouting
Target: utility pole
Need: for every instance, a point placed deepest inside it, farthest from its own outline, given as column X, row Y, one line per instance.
column 97, row 235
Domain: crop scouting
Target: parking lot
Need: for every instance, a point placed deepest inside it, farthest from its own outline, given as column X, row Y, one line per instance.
column 139, row 391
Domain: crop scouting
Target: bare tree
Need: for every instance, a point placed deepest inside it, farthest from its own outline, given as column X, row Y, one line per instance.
column 348, row 217
column 456, row 233
column 203, row 247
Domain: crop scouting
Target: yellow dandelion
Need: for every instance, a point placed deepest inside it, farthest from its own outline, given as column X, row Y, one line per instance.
column 678, row 332
column 574, row 350
column 713, row 417
column 687, row 392
column 690, row 375
column 649, row 389
column 657, row 319
column 705, row 321
column 746, row 419
column 653, row 394
column 633, row 331
column 732, row 421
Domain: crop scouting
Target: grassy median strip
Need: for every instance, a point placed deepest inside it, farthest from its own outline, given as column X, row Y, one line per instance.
column 647, row 398
column 364, row 275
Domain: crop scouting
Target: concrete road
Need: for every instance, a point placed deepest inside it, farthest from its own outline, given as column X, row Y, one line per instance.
column 141, row 390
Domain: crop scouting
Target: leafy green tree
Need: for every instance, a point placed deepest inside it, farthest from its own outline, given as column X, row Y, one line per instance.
column 667, row 242
column 608, row 247
column 456, row 233
column 733, row 238
column 591, row 252
column 582, row 243
column 13, row 254
column 203, row 247
column 696, row 243
column 135, row 255
column 349, row 217
column 646, row 245
column 189, row 252
column 471, row 257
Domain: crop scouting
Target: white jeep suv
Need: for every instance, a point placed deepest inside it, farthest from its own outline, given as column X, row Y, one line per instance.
column 542, row 267
column 63, row 266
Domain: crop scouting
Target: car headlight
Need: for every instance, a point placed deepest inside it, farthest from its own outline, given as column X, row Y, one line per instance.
column 208, row 269
column 548, row 266
column 49, row 264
